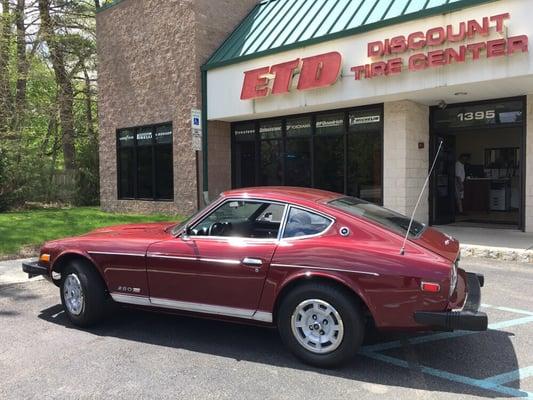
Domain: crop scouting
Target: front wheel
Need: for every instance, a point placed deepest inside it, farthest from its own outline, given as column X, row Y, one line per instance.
column 83, row 294
column 321, row 324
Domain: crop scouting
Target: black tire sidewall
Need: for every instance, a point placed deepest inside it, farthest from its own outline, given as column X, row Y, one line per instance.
column 345, row 305
column 93, row 290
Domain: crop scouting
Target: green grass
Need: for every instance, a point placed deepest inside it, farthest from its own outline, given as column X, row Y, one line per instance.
column 23, row 231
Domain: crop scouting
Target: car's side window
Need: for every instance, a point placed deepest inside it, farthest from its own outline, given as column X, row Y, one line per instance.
column 303, row 223
column 242, row 218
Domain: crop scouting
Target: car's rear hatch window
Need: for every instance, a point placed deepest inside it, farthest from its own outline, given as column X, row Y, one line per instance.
column 379, row 215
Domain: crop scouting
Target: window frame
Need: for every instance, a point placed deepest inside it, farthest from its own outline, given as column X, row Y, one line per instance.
column 228, row 200
column 287, row 206
column 153, row 147
column 301, row 208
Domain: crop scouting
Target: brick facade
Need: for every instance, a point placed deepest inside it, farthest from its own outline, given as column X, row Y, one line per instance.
column 149, row 54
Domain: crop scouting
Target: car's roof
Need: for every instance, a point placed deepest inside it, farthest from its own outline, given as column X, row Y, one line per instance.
column 284, row 193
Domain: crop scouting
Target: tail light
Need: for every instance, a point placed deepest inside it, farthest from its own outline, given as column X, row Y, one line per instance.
column 430, row 287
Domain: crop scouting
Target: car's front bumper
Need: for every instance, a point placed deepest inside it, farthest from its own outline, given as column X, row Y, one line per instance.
column 33, row 269
column 468, row 318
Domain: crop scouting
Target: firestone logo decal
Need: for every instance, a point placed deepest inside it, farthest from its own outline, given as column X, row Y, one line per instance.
column 324, row 70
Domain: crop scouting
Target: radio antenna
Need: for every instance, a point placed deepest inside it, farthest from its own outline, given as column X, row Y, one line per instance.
column 402, row 250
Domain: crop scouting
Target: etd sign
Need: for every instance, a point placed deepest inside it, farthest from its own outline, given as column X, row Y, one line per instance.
column 314, row 72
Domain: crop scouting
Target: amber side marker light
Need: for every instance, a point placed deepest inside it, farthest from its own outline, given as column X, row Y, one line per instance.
column 44, row 258
column 430, row 287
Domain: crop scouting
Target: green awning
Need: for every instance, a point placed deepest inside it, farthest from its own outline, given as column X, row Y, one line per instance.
column 278, row 25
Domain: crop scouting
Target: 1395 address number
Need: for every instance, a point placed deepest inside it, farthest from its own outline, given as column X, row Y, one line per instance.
column 476, row 115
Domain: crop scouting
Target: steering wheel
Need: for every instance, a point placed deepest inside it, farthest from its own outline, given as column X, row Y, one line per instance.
column 217, row 229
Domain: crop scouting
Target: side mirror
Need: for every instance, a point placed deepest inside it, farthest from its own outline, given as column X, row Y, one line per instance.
column 186, row 233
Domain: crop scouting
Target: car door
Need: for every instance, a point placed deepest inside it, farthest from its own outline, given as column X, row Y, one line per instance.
column 220, row 265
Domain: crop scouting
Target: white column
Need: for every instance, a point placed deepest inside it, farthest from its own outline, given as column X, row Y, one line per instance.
column 529, row 165
column 406, row 124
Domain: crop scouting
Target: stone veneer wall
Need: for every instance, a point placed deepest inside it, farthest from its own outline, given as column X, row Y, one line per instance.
column 219, row 157
column 406, row 123
column 150, row 53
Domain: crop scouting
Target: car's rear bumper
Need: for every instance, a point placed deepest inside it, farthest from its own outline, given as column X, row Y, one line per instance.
column 468, row 319
column 33, row 269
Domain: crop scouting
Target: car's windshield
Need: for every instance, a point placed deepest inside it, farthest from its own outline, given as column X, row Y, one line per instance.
column 176, row 228
column 380, row 215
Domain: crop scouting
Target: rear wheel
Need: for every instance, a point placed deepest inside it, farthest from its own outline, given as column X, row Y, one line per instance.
column 83, row 294
column 321, row 324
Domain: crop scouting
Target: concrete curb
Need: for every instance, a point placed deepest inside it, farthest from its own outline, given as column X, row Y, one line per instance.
column 497, row 253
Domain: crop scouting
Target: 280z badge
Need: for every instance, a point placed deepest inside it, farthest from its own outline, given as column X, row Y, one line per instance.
column 128, row 289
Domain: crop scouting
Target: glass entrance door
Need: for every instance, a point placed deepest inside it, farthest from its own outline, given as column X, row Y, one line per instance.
column 444, row 193
column 478, row 177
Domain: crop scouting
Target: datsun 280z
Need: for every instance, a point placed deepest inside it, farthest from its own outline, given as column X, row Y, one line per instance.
column 319, row 266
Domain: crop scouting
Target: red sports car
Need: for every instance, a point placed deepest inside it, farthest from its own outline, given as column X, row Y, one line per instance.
column 320, row 266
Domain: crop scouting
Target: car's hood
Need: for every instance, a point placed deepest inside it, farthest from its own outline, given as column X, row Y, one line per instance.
column 440, row 243
column 155, row 231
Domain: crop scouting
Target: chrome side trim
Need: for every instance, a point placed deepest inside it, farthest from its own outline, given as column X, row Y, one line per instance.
column 155, row 255
column 325, row 269
column 110, row 253
column 262, row 316
column 202, row 308
column 203, row 259
column 235, row 238
column 129, row 299
column 220, row 260
column 283, row 222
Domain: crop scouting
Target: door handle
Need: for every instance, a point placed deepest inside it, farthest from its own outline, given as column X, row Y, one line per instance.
column 252, row 262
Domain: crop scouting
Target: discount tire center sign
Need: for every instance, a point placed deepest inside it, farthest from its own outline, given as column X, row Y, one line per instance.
column 416, row 51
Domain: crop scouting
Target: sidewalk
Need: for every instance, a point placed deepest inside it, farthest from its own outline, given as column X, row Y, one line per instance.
column 502, row 244
column 11, row 272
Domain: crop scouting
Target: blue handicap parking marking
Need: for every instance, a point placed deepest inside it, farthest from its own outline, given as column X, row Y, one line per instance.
column 495, row 383
column 512, row 376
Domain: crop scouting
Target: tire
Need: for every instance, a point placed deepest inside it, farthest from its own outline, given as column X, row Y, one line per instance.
column 329, row 304
column 80, row 277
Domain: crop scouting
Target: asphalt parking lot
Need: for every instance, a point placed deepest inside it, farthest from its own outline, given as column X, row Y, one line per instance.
column 136, row 354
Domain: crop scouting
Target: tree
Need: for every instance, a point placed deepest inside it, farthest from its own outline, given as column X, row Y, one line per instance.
column 48, row 110
column 22, row 66
column 66, row 94
column 5, row 43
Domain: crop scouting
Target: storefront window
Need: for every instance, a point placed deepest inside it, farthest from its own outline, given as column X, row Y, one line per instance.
column 164, row 177
column 271, row 171
column 339, row 151
column 364, row 153
column 144, row 163
column 244, row 155
column 298, row 152
column 329, row 152
column 126, row 163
